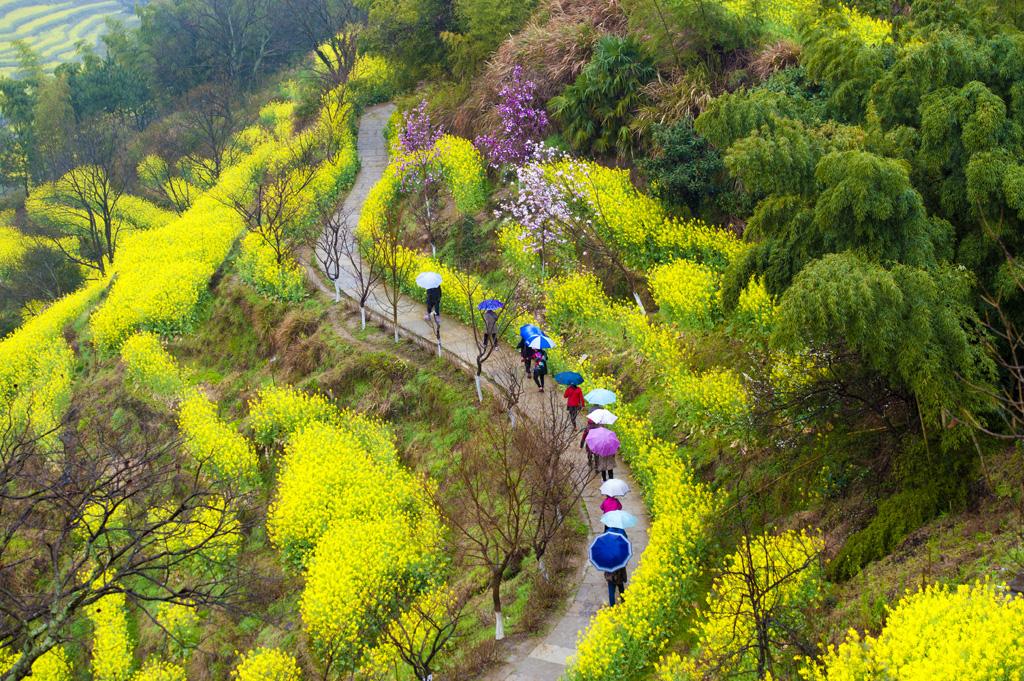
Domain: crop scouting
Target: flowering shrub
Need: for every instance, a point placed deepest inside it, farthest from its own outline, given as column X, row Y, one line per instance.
column 463, row 171
column 636, row 224
column 278, row 118
column 37, row 364
column 687, row 293
column 157, row 670
column 328, row 477
column 967, row 633
column 267, row 664
column 371, row 81
column 355, row 576
column 53, row 665
column 755, row 312
column 111, row 644
column 787, row 578
column 13, row 246
column 787, row 14
column 258, row 266
column 211, row 441
column 210, row 531
column 522, row 123
column 181, row 622
column 150, row 368
column 276, row 412
column 418, row 625
column 162, row 273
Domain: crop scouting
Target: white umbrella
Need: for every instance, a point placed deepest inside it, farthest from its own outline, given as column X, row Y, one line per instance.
column 620, row 520
column 428, row 279
column 602, row 417
column 541, row 343
column 614, row 488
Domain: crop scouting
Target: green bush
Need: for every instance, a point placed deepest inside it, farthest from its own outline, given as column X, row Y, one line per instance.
column 684, row 169
column 595, row 112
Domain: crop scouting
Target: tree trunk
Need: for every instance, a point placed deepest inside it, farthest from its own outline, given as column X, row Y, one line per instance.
column 499, row 621
column 639, row 303
column 362, row 316
column 337, row 291
column 479, row 392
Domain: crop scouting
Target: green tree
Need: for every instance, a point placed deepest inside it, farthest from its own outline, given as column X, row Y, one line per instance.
column 481, row 26
column 409, row 31
column 684, row 169
column 916, row 327
column 53, row 123
column 596, row 110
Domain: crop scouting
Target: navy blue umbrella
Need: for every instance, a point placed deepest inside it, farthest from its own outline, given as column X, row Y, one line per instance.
column 528, row 331
column 610, row 551
column 568, row 378
column 490, row 304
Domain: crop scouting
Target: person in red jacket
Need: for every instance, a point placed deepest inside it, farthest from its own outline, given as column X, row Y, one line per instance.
column 573, row 402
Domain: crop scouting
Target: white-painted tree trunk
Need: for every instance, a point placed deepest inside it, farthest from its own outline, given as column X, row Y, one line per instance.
column 362, row 317
column 396, row 333
column 512, row 417
column 639, row 303
column 479, row 392
column 499, row 626
column 433, row 250
column 337, row 291
column 439, row 347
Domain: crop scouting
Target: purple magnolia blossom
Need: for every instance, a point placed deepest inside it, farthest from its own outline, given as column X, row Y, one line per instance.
column 541, row 204
column 522, row 123
column 417, row 133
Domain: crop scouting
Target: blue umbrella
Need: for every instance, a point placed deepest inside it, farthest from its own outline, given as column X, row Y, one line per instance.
column 490, row 304
column 528, row 331
column 600, row 396
column 541, row 342
column 568, row 378
column 610, row 551
column 618, row 519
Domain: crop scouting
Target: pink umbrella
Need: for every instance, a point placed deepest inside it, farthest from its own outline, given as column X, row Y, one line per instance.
column 603, row 442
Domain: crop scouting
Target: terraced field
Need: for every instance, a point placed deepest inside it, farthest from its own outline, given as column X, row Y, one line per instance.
column 55, row 29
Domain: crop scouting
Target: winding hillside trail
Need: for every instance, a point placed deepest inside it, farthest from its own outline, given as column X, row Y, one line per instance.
column 541, row 658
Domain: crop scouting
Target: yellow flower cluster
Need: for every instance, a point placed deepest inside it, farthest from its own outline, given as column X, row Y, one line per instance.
column 756, row 309
column 356, row 574
column 111, row 644
column 624, row 639
column 328, row 477
column 177, row 618
column 362, row 527
column 53, row 665
column 278, row 117
column 276, row 412
column 787, row 572
column 149, row 368
column 636, row 224
column 161, row 273
column 371, row 81
column 37, row 364
column 211, row 441
column 154, row 174
column 257, row 265
column 962, row 633
column 465, row 172
column 13, row 246
column 267, row 664
column 156, row 670
column 712, row 400
column 787, row 14
column 687, row 293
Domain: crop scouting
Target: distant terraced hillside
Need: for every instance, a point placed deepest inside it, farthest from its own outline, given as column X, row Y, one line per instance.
column 55, row 28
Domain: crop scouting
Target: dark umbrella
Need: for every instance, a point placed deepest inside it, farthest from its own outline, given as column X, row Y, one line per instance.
column 610, row 551
column 568, row 378
column 490, row 304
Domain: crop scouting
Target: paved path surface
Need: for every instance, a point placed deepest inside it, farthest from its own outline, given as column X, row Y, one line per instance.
column 541, row 658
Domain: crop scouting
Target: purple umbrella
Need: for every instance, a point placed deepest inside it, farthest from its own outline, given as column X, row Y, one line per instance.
column 603, row 442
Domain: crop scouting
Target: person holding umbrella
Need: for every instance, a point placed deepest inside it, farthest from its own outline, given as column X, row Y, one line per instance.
column 573, row 395
column 604, row 444
column 433, row 305
column 490, row 309
column 590, row 425
column 610, row 553
column 526, row 332
column 540, row 368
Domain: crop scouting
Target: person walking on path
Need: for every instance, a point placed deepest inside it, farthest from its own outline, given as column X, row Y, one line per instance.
column 616, row 580
column 540, row 369
column 573, row 402
column 605, row 466
column 526, row 352
column 491, row 328
column 583, row 444
column 610, row 504
column 433, row 305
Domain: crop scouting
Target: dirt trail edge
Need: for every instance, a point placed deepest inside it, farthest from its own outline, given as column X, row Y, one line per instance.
column 541, row 658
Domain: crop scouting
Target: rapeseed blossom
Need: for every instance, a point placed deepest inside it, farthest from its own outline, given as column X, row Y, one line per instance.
column 267, row 664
